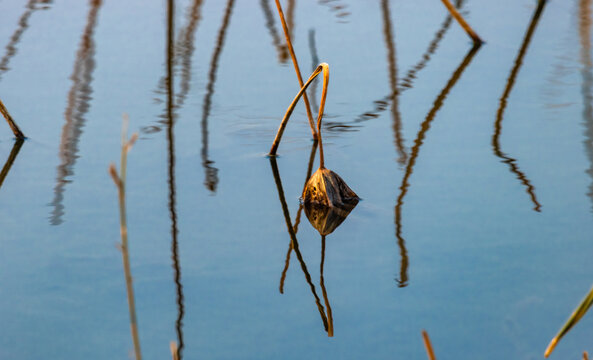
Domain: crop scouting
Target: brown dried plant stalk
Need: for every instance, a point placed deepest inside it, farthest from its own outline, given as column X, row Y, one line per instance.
column 428, row 346
column 13, row 126
column 322, row 67
column 476, row 39
column 120, row 183
column 296, row 65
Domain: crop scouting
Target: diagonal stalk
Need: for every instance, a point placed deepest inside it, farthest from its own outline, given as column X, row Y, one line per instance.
column 296, row 65
column 476, row 39
column 13, row 126
column 322, row 67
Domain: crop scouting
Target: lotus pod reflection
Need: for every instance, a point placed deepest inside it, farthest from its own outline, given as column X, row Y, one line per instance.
column 326, row 219
column 327, row 188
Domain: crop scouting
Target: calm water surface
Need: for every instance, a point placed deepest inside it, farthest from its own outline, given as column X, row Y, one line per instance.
column 475, row 168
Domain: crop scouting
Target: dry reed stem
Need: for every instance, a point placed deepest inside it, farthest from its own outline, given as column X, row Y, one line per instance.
column 462, row 22
column 428, row 345
column 13, row 126
column 585, row 356
column 174, row 351
column 120, row 182
column 574, row 318
column 296, row 66
column 322, row 67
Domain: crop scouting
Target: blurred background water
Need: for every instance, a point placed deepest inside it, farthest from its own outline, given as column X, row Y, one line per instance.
column 474, row 166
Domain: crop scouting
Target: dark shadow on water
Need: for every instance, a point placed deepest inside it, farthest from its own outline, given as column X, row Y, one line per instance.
column 587, row 82
column 211, row 172
column 18, row 143
column 415, row 151
column 511, row 162
column 170, row 118
column 79, row 98
column 15, row 38
column 281, row 48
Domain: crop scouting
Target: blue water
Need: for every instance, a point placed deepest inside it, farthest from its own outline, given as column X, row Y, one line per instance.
column 487, row 246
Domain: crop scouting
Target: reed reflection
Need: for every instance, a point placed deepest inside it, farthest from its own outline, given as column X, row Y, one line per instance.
column 79, row 98
column 281, row 48
column 15, row 38
column 297, row 221
column 405, row 184
column 587, row 82
column 185, row 49
column 395, row 115
column 211, row 173
column 503, row 103
column 407, row 82
column 170, row 122
column 326, row 318
column 18, row 143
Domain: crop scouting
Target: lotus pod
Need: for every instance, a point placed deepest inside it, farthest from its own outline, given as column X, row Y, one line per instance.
column 326, row 219
column 327, row 188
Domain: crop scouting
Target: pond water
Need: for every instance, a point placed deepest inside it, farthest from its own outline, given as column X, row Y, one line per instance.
column 474, row 166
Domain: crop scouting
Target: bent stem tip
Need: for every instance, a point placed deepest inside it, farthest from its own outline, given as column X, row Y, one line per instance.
column 323, row 67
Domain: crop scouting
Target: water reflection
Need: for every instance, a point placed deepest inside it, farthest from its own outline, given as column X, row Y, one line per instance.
column 407, row 82
column 503, row 103
column 18, row 143
column 587, row 85
column 170, row 122
column 79, row 98
column 185, row 49
column 338, row 8
column 294, row 246
column 395, row 115
column 11, row 48
column 281, row 48
column 297, row 221
column 404, row 187
column 211, row 173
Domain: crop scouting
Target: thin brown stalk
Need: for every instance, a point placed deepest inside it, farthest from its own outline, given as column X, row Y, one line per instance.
column 11, row 157
column 322, row 67
column 294, row 242
column 428, row 345
column 13, row 126
column 330, row 318
column 476, row 39
column 174, row 352
column 585, row 356
column 120, row 182
column 297, row 221
column 296, row 65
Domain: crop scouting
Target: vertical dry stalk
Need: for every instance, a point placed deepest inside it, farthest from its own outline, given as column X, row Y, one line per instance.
column 120, row 182
column 13, row 126
column 462, row 22
column 322, row 67
column 428, row 345
column 296, row 65
column 174, row 351
column 585, row 356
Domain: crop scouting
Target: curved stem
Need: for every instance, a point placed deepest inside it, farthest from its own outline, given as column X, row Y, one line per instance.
column 322, row 67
